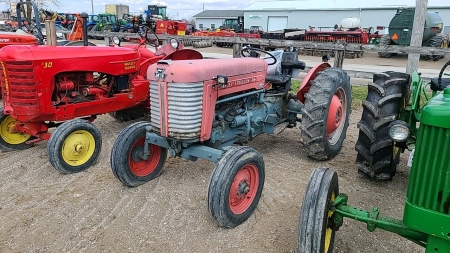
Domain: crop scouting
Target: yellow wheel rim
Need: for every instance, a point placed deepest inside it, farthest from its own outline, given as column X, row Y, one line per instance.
column 329, row 231
column 78, row 148
column 9, row 135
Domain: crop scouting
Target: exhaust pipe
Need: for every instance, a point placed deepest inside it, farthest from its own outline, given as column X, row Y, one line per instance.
column 85, row 16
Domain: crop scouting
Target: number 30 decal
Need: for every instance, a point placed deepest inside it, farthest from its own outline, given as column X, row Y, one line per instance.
column 47, row 64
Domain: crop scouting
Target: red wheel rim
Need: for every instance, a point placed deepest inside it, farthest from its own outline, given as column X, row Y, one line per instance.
column 140, row 167
column 337, row 113
column 243, row 189
column 334, row 114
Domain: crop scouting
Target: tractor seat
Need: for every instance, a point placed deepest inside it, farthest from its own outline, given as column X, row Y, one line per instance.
column 290, row 60
column 278, row 79
column 435, row 85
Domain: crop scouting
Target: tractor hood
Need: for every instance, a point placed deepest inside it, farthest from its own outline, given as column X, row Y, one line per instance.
column 16, row 38
column 57, row 59
column 188, row 71
column 76, row 53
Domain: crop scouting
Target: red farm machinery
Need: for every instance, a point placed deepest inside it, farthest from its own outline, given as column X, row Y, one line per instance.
column 44, row 87
column 201, row 108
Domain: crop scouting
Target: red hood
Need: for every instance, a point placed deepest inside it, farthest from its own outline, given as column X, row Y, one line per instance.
column 34, row 52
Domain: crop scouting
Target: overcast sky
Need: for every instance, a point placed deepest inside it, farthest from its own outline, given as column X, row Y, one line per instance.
column 178, row 9
column 182, row 8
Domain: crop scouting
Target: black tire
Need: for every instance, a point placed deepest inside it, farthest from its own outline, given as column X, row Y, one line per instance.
column 128, row 114
column 315, row 216
column 438, row 41
column 67, row 138
column 237, row 163
column 377, row 157
column 321, row 145
column 126, row 164
column 89, row 28
column 11, row 141
column 385, row 41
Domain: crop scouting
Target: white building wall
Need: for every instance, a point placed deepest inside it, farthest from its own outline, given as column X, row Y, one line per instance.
column 302, row 19
column 207, row 22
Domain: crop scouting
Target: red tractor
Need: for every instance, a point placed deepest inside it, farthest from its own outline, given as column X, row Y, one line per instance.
column 46, row 86
column 200, row 109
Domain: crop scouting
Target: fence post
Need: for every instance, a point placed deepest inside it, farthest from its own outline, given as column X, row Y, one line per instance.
column 237, row 47
column 417, row 34
column 339, row 58
column 50, row 32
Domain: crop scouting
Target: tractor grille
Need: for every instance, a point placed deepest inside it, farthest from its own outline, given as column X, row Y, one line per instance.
column 184, row 109
column 430, row 171
column 20, row 81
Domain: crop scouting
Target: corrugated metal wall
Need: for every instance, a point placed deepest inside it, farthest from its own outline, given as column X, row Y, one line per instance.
column 206, row 22
column 302, row 19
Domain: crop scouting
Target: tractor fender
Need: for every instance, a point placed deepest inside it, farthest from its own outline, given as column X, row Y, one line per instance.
column 304, row 86
column 184, row 54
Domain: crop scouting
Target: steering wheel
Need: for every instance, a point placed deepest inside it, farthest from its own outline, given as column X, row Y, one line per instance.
column 442, row 73
column 248, row 50
column 144, row 36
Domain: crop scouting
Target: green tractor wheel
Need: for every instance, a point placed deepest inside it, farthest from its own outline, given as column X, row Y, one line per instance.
column 377, row 156
column 316, row 230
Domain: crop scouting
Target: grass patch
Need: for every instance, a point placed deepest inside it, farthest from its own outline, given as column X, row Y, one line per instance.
column 359, row 93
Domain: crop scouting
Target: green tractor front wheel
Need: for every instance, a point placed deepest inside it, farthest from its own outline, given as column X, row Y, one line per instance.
column 316, row 230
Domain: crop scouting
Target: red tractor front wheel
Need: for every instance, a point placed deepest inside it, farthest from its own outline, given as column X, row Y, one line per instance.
column 10, row 139
column 127, row 162
column 235, row 186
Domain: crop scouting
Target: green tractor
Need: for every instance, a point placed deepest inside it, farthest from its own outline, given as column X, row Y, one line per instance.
column 389, row 125
column 106, row 22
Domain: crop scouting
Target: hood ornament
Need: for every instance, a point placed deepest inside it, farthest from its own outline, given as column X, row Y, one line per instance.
column 159, row 74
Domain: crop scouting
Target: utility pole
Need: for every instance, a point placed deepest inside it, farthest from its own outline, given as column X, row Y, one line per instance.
column 417, row 34
column 92, row 6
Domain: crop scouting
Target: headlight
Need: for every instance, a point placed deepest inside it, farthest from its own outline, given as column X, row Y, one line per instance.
column 222, row 80
column 116, row 40
column 398, row 131
column 174, row 43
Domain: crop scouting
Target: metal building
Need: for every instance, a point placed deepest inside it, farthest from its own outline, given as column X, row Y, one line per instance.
column 118, row 9
column 303, row 14
column 213, row 19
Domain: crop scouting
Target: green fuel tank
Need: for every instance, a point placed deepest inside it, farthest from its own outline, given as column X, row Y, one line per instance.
column 400, row 27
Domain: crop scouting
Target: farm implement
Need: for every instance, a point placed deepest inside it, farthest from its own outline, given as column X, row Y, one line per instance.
column 388, row 126
column 44, row 87
column 200, row 109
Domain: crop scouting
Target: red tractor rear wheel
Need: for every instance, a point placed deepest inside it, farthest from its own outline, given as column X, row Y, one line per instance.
column 326, row 113
column 235, row 186
column 126, row 156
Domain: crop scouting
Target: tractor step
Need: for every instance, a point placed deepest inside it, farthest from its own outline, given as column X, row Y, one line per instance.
column 279, row 128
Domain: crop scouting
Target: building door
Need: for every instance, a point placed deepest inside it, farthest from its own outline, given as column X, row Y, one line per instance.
column 446, row 30
column 277, row 23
